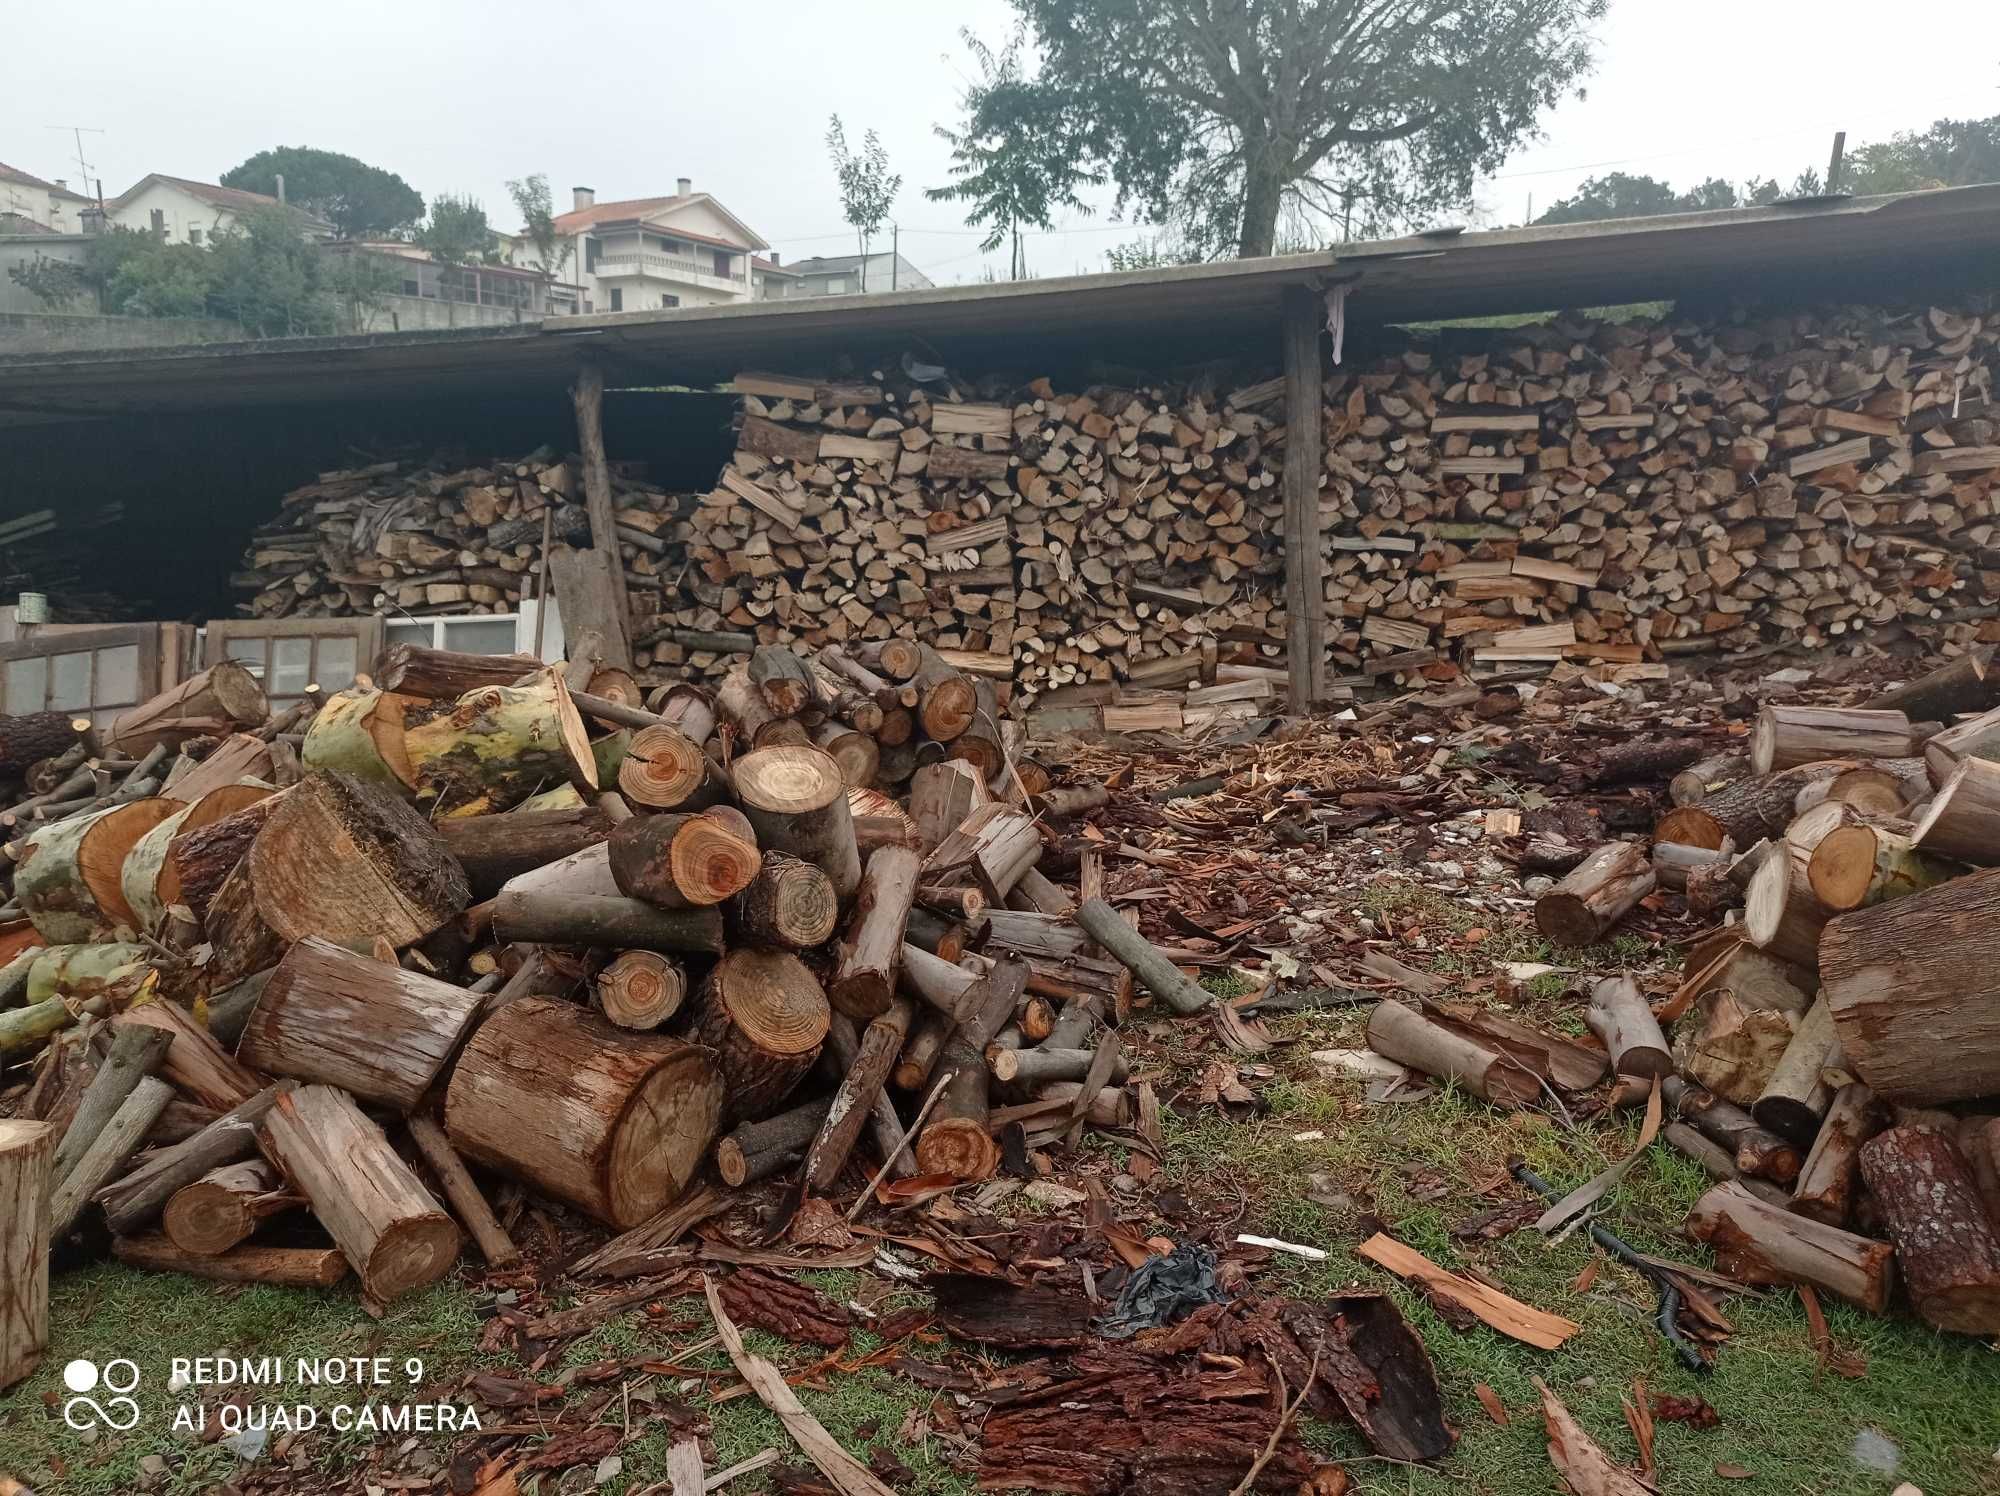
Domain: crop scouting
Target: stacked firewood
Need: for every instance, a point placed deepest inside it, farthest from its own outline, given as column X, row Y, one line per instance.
column 331, row 987
column 1834, row 1057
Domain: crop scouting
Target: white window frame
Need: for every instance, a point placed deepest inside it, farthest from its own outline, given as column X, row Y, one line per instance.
column 394, row 627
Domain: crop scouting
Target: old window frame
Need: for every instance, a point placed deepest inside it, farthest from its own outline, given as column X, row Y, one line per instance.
column 153, row 672
column 365, row 632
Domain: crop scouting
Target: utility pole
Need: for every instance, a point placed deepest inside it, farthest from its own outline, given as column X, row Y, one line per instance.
column 1834, row 161
column 895, row 253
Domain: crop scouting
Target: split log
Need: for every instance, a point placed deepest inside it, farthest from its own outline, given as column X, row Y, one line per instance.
column 1923, row 1189
column 149, row 882
column 25, row 1152
column 1915, row 992
column 864, row 982
column 797, row 800
column 1704, row 777
column 1746, row 1008
column 224, row 1206
column 664, row 769
column 1781, row 917
column 493, row 849
column 203, row 858
column 106, row 1157
column 855, row 1097
column 1605, row 887
column 1621, row 1017
column 1944, row 693
column 676, row 861
column 1758, row 1151
column 473, row 1212
column 994, row 848
column 1859, row 865
column 1788, row 736
column 765, row 1017
column 1756, row 1242
column 640, row 990
column 1830, row 1179
column 240, row 759
column 1402, row 1034
column 757, row 1150
column 447, row 674
column 1143, row 959
column 1745, row 811
column 1796, row 1096
column 496, row 746
column 1963, row 821
column 359, row 732
column 377, row 1212
column 283, row 1267
column 619, row 1137
column 789, row 903
column 216, row 702
column 1977, row 737
column 371, row 1028
column 139, row 1197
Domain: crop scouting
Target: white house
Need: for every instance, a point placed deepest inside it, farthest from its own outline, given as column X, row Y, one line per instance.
column 642, row 254
column 184, row 212
column 29, row 203
column 844, row 275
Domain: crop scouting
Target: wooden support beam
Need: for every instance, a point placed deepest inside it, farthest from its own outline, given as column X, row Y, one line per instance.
column 587, row 394
column 1305, row 586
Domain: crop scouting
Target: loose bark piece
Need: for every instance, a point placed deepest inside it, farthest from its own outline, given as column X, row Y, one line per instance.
column 765, row 1016
column 797, row 800
column 641, row 990
column 1788, row 736
column 473, row 1212
column 1585, row 1468
column 1757, row 1242
column 865, row 980
column 1948, row 1249
column 1508, row 1315
column 285, row 1267
column 1406, row 1036
column 1830, row 1180
column 611, row 1122
column 1621, row 1017
column 677, row 861
column 26, row 1150
column 790, row 903
column 222, row 1208
column 1605, row 887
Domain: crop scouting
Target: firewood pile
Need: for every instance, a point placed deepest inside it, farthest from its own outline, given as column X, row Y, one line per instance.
column 273, row 997
column 1832, row 1054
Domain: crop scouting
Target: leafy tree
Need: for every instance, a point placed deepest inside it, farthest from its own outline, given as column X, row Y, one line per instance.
column 1951, row 153
column 170, row 280
column 271, row 279
column 61, row 284
column 1154, row 253
column 1618, row 195
column 457, row 232
column 867, row 187
column 359, row 200
column 1014, row 177
column 537, row 208
column 1223, row 115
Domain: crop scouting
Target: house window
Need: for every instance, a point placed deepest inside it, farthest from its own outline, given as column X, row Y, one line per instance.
column 159, row 220
column 488, row 634
column 670, row 301
column 412, row 288
column 194, row 236
column 722, row 264
column 290, row 654
column 617, row 299
column 96, row 673
column 836, row 285
column 592, row 249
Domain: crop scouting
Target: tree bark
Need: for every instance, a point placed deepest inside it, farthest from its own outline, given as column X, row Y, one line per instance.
column 360, row 733
column 34, row 736
column 149, row 882
column 942, row 797
column 781, row 678
column 1605, row 887
column 957, row 1139
column 1745, row 811
column 765, row 1017
column 789, row 903
column 1925, row 1193
column 1941, row 694
column 1756, row 1242
column 201, row 859
column 195, row 1063
column 953, row 990
column 26, row 1149
column 135, row 1053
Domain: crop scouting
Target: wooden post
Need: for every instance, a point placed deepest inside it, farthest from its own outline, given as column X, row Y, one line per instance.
column 588, row 396
column 1305, row 585
column 25, row 1151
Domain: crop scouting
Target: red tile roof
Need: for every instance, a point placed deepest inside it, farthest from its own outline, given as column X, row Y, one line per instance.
column 29, row 179
column 232, row 198
column 631, row 207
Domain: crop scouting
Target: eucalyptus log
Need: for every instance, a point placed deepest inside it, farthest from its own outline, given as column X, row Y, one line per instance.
column 765, row 1016
column 284, row 1267
column 1621, row 1017
column 447, row 674
column 1605, row 887
column 106, row 1156
column 137, row 1198
column 470, row 1205
column 1924, row 1192
column 1787, row 736
column 359, row 732
column 1830, row 1179
column 496, row 746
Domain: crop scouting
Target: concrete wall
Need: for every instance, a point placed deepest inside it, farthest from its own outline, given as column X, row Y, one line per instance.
column 182, row 213
column 21, row 250
column 406, row 313
column 42, row 332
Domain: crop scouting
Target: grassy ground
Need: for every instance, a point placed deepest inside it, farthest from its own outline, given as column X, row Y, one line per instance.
column 1418, row 1167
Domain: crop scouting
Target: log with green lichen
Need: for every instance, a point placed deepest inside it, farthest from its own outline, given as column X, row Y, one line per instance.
column 21, row 1028
column 50, row 885
column 498, row 745
column 85, row 971
column 360, row 733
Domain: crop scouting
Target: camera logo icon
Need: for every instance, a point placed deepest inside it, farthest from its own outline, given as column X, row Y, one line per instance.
column 118, row 1377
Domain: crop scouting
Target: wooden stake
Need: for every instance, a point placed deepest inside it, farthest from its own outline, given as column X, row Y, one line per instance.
column 1304, row 315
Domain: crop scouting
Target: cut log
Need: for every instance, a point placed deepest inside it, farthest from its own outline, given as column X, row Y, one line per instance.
column 33, row 736
column 373, row 1029
column 1830, row 1180
column 26, row 1149
column 498, row 745
column 613, row 1123
column 1944, row 693
column 797, row 800
column 1706, row 776
column 1605, row 887
column 1788, row 736
column 446, row 674
column 1977, row 737
column 241, row 759
column 1914, row 990
column 1856, row 866
column 473, row 1212
column 1745, row 811
column 150, row 881
column 195, row 1064
column 224, row 1206
column 855, row 1097
column 781, row 678
column 1621, row 1017
column 1963, row 821
column 609, row 920
column 1796, row 1096
column 214, row 702
column 1758, row 1151
column 135, row 1200
column 493, row 849
column 664, row 769
column 765, row 1017
column 202, row 859
column 1756, row 1242
column 283, row 1267
column 930, row 1030
column 1780, row 915
column 1674, row 864
column 50, row 885
column 1923, row 1190
column 864, row 982
column 1717, row 1162
column 1402, row 1034
column 1144, row 960
column 677, row 861
column 857, row 753
column 359, row 732
column 385, row 1223
column 947, row 701
column 956, row 991
column 957, row 1140
column 81, row 972
column 789, row 903
column 135, row 1053
column 757, row 1150
column 1032, row 1068
column 107, row 1154
column 640, row 990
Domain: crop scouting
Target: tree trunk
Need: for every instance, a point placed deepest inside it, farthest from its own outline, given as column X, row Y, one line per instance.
column 497, row 746
column 375, row 1030
column 1796, row 1097
column 664, row 769
column 765, row 1016
column 25, row 1152
column 51, row 880
column 1756, row 1242
column 1621, row 1017
column 1263, row 194
column 215, row 702
column 640, row 990
column 757, row 1150
column 1925, row 1193
column 789, row 903
column 1830, row 1179
column 383, row 1220
column 360, row 733
column 1963, row 821
column 1605, row 887
column 445, row 674
column 220, row 1209
column 864, row 982
column 283, row 1267
column 797, row 800
column 1402, row 1034
column 613, row 1123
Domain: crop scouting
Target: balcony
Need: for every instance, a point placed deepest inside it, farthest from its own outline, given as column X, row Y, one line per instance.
column 684, row 270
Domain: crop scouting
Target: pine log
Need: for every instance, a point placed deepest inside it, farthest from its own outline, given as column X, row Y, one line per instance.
column 640, row 990
column 864, row 981
column 1605, row 887
column 223, row 1207
column 1788, row 736
column 765, row 1017
column 385, row 1223
column 781, row 678
column 757, row 1150
column 1781, row 917
column 797, row 800
column 1756, row 1242
column 1830, row 1179
column 1963, row 821
column 1915, row 992
column 1856, row 866
column 498, row 745
column 1923, row 1189
column 203, row 858
column 789, row 903
column 106, row 1156
column 25, row 1152
column 473, row 1212
column 613, row 1123
column 1977, row 737
column 1706, row 776
column 1621, row 1017
column 677, row 861
column 215, row 701
column 283, row 1267
column 1796, row 1096
column 1143, row 959
column 1759, row 1152
column 1402, row 1034
column 1944, row 693
column 373, row 1029
column 664, row 769
column 138, row 1198
column 135, row 1053
column 855, row 1097
column 1745, row 811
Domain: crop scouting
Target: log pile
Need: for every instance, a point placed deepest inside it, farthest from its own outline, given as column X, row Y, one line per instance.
column 446, row 955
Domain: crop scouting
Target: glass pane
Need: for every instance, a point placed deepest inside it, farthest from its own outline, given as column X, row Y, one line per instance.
column 69, row 682
column 336, row 664
column 291, row 667
column 250, row 652
column 25, row 682
column 118, row 676
column 407, row 633
column 487, row 636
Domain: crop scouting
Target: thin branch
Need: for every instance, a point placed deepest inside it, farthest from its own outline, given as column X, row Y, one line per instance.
column 909, row 1136
column 1285, row 1418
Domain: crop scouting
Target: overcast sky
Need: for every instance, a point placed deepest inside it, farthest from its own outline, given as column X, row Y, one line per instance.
column 460, row 95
